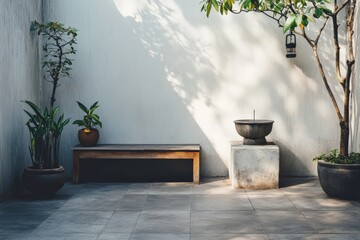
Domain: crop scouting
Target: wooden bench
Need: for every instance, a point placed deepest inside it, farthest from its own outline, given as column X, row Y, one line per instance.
column 137, row 151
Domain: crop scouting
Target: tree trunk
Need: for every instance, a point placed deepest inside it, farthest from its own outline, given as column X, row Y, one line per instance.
column 344, row 139
column 52, row 99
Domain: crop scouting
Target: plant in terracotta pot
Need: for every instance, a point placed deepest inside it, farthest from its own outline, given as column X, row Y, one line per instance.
column 46, row 176
column 88, row 135
column 339, row 171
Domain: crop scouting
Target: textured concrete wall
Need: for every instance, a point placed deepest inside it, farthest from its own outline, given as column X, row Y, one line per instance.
column 164, row 73
column 19, row 80
column 356, row 86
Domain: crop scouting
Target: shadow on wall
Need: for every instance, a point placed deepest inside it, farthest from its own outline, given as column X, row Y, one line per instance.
column 164, row 73
column 159, row 100
column 223, row 72
column 137, row 104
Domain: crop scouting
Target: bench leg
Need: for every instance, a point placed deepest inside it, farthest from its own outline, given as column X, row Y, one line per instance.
column 76, row 163
column 196, row 168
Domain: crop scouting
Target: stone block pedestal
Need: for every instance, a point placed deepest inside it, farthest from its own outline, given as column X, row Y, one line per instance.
column 254, row 166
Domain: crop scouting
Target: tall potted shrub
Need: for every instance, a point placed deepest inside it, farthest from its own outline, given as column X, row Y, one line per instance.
column 339, row 171
column 46, row 176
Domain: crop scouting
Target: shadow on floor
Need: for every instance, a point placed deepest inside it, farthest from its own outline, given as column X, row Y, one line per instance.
column 294, row 181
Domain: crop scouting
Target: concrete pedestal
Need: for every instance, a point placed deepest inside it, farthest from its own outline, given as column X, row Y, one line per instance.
column 254, row 166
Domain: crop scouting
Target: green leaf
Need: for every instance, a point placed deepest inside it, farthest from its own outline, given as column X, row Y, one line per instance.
column 327, row 11
column 215, row 4
column 94, row 105
column 298, row 20
column 289, row 23
column 82, row 107
column 208, row 9
column 305, row 21
column 78, row 122
column 318, row 12
column 33, row 106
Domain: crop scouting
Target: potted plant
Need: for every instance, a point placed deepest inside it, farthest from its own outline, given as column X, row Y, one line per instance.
column 88, row 135
column 339, row 171
column 46, row 176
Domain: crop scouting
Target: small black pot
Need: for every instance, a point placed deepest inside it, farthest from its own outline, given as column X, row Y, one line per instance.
column 340, row 180
column 43, row 182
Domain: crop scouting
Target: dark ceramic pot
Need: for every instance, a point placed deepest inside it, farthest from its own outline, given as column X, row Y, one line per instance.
column 340, row 180
column 43, row 182
column 88, row 137
column 253, row 131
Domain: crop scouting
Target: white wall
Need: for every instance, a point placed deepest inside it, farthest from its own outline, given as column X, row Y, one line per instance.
column 19, row 80
column 164, row 73
column 356, row 86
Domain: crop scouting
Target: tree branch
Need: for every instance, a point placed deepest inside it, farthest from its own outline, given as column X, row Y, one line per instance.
column 307, row 38
column 340, row 78
column 265, row 12
column 325, row 81
column 320, row 31
column 351, row 58
column 338, row 9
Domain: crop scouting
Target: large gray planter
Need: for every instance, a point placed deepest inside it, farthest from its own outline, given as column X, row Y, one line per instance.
column 340, row 180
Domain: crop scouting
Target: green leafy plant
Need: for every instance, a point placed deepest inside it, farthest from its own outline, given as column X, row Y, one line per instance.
column 296, row 16
column 45, row 126
column 58, row 48
column 334, row 156
column 90, row 119
column 45, row 130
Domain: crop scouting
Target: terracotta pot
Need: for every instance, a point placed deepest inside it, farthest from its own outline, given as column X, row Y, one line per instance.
column 43, row 182
column 340, row 180
column 88, row 137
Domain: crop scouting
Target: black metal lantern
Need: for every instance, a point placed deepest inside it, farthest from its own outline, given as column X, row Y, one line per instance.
column 290, row 45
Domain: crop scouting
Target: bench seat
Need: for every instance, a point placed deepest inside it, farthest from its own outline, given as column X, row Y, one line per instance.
column 138, row 151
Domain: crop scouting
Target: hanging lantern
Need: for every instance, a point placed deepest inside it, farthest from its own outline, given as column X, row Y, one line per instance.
column 290, row 45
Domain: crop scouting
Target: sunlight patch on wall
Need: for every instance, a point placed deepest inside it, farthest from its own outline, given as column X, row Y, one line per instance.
column 223, row 67
column 165, row 32
column 130, row 9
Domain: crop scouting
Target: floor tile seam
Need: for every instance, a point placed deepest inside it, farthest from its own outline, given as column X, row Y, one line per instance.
column 262, row 224
column 136, row 222
column 278, row 210
column 85, row 210
column 309, row 220
column 169, row 194
column 331, row 210
column 227, row 210
column 38, row 225
column 104, row 225
column 252, row 205
column 164, row 210
column 190, row 233
column 291, row 202
column 223, row 210
column 290, row 209
column 219, row 194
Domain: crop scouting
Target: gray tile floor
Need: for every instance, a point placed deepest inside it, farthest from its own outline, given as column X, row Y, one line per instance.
column 179, row 211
